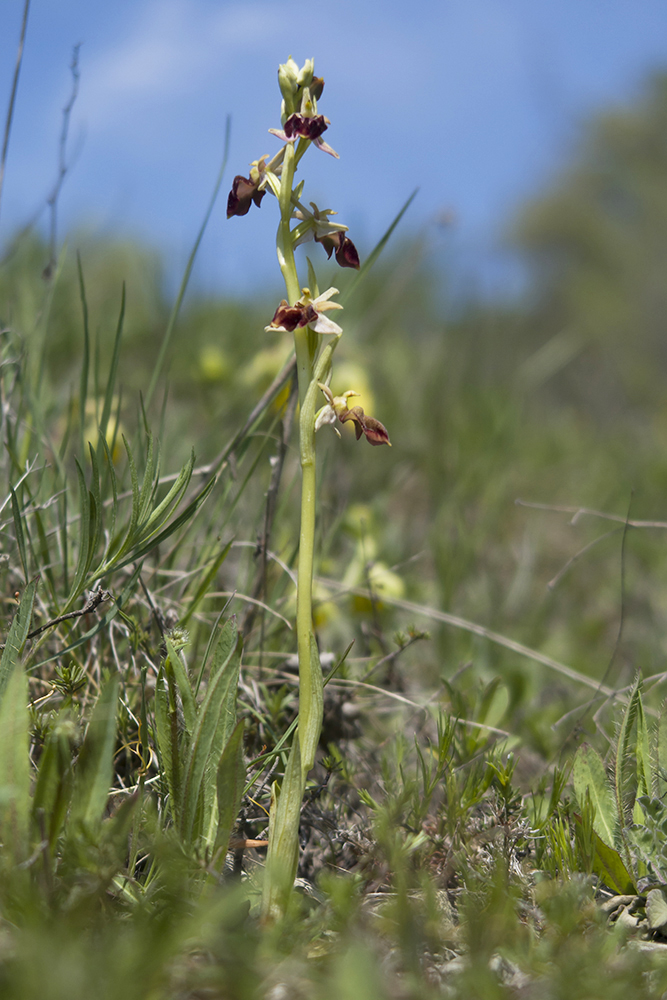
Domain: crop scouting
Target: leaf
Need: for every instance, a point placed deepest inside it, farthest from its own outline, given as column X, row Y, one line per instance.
column 623, row 748
column 111, row 380
column 589, row 774
column 229, row 785
column 311, row 704
column 15, row 766
column 644, row 778
column 660, row 788
column 283, row 854
column 20, row 537
column 608, row 865
column 94, row 767
column 656, row 908
column 166, row 738
column 174, row 664
column 53, row 788
column 17, row 635
column 215, row 721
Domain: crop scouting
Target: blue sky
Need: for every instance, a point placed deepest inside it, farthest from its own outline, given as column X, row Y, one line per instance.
column 479, row 102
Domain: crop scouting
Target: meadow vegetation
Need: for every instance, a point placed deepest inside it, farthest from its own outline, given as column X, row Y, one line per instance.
column 486, row 816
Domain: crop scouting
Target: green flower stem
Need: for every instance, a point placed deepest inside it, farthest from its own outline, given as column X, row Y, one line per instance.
column 309, row 704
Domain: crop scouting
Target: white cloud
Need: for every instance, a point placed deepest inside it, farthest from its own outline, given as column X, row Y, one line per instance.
column 171, row 49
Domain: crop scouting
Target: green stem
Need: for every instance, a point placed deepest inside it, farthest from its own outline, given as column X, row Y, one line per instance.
column 309, row 712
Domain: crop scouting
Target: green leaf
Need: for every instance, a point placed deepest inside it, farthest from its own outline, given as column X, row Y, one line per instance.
column 311, row 705
column 377, row 250
column 230, row 781
column 111, row 380
column 623, row 751
column 174, row 664
column 167, row 740
column 589, row 774
column 608, row 866
column 215, row 721
column 53, row 788
column 15, row 766
column 644, row 778
column 660, row 788
column 656, row 908
column 17, row 635
column 283, row 854
column 94, row 767
column 205, row 584
column 20, row 537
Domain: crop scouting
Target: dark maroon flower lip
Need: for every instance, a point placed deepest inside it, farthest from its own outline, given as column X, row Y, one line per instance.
column 244, row 192
column 375, row 432
column 307, row 128
column 344, row 248
column 288, row 317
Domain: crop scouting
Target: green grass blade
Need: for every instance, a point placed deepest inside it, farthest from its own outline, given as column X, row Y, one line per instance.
column 94, row 767
column 85, row 357
column 159, row 364
column 166, row 740
column 15, row 767
column 20, row 536
column 84, row 555
column 205, row 584
column 53, row 787
column 111, row 380
column 16, row 637
column 375, row 253
column 186, row 515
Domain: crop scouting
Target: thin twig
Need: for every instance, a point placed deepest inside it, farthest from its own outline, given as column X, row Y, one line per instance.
column 99, row 597
column 12, row 96
column 580, row 511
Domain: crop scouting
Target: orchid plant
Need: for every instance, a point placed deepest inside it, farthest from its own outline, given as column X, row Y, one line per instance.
column 305, row 314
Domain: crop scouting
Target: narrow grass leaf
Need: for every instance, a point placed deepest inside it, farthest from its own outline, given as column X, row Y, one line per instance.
column 94, row 767
column 85, row 356
column 111, row 379
column 377, row 250
column 20, row 536
column 15, row 766
column 205, row 585
column 589, row 775
column 16, row 637
column 53, row 787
